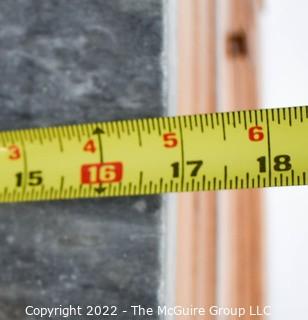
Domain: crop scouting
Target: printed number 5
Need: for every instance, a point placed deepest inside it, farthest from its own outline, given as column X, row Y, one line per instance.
column 170, row 140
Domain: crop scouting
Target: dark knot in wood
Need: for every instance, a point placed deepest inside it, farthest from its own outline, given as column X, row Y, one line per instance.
column 237, row 44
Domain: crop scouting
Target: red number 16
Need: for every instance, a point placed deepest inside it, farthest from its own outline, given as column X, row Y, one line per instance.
column 106, row 172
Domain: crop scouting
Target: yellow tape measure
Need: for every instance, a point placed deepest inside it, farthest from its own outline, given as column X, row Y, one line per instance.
column 232, row 150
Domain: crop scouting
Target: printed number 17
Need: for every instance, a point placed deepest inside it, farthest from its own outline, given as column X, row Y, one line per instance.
column 196, row 163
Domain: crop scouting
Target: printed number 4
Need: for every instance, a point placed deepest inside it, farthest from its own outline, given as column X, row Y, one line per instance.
column 90, row 146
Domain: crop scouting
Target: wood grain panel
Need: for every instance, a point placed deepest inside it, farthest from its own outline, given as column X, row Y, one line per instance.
column 196, row 254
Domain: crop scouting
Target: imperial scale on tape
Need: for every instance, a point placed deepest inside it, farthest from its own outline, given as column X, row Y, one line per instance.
column 231, row 150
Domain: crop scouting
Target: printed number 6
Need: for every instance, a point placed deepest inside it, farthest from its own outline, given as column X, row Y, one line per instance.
column 256, row 133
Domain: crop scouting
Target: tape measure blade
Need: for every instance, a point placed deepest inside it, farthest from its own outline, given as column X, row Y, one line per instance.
column 233, row 150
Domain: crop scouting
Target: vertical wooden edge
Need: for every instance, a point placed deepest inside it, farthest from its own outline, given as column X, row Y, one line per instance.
column 196, row 232
column 241, row 215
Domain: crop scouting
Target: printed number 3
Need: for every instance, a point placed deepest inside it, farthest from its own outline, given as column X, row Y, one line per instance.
column 14, row 152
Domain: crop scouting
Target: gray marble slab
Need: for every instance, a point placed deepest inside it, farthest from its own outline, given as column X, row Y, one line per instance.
column 69, row 62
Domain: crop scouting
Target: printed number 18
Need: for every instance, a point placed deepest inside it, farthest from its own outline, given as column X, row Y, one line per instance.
column 282, row 163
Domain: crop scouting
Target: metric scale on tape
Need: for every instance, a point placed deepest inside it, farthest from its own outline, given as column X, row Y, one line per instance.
column 231, row 150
